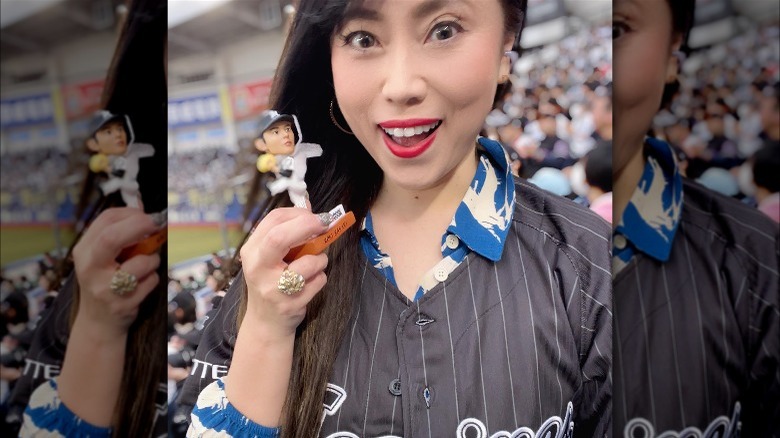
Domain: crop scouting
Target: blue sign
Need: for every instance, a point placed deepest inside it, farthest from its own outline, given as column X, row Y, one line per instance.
column 27, row 110
column 191, row 111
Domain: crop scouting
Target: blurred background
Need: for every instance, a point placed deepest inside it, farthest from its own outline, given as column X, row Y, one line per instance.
column 54, row 56
column 724, row 118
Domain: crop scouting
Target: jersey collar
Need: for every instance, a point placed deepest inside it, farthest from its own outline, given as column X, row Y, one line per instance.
column 652, row 216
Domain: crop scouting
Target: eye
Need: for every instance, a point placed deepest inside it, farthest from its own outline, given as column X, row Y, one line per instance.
column 618, row 29
column 360, row 40
column 445, row 30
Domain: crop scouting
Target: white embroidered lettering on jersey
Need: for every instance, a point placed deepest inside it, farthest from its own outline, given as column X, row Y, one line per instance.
column 721, row 427
column 334, row 398
column 217, row 371
column 553, row 427
column 352, row 435
column 47, row 371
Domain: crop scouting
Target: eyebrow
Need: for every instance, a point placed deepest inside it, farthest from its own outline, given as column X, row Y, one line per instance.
column 357, row 11
column 633, row 5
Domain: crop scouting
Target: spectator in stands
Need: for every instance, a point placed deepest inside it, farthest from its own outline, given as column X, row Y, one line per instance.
column 602, row 114
column 766, row 176
column 721, row 149
column 553, row 151
column 770, row 115
column 598, row 175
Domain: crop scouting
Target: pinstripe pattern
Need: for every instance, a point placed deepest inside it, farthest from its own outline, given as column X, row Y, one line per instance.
column 506, row 345
column 373, row 356
column 470, row 344
column 714, row 301
column 351, row 337
column 479, row 344
column 531, row 316
column 557, row 336
column 452, row 350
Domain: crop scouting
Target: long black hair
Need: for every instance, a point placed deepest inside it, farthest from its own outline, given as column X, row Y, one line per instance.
column 344, row 174
column 683, row 14
column 136, row 86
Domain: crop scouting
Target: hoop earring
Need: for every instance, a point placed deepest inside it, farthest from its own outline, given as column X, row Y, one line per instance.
column 335, row 122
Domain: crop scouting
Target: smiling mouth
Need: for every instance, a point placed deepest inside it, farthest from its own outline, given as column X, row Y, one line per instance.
column 411, row 135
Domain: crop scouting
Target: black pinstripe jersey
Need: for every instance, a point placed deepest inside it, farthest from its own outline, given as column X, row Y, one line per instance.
column 520, row 347
column 697, row 338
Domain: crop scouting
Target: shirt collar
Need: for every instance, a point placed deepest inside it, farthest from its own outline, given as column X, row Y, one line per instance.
column 483, row 217
column 652, row 216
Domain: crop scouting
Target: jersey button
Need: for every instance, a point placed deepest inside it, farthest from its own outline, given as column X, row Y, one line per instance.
column 619, row 241
column 427, row 396
column 452, row 241
column 440, row 274
column 395, row 387
column 423, row 320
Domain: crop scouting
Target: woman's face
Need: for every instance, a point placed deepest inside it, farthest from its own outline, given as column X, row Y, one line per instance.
column 415, row 80
column 643, row 63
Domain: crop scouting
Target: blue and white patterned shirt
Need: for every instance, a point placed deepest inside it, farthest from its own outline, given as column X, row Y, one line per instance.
column 480, row 224
column 652, row 216
column 46, row 415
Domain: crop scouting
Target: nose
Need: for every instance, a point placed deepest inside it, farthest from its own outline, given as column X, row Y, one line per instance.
column 405, row 82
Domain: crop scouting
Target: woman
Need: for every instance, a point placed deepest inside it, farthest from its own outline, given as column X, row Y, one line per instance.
column 109, row 328
column 697, row 325
column 466, row 303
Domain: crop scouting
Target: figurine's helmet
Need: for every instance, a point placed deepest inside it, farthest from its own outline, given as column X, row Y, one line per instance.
column 103, row 117
column 270, row 117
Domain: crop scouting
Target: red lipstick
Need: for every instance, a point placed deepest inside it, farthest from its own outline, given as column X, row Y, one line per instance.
column 408, row 123
column 408, row 150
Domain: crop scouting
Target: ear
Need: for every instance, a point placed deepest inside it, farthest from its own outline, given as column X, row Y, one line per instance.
column 260, row 145
column 673, row 62
column 505, row 67
column 92, row 145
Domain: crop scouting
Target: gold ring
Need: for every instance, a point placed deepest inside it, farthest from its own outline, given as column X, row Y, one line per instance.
column 290, row 282
column 123, row 282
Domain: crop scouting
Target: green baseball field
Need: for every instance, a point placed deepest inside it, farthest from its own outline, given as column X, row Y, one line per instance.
column 184, row 242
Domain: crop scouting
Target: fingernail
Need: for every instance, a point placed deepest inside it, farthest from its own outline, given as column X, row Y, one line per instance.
column 159, row 218
column 325, row 219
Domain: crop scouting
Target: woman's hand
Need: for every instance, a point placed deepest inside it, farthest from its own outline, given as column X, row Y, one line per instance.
column 266, row 338
column 108, row 314
column 277, row 315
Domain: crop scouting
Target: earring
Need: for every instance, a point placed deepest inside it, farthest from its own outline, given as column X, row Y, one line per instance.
column 680, row 55
column 335, row 122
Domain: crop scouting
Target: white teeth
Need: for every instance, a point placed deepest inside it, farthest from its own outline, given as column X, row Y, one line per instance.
column 408, row 132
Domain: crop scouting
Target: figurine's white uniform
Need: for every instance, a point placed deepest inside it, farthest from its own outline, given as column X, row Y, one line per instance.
column 127, row 183
column 295, row 184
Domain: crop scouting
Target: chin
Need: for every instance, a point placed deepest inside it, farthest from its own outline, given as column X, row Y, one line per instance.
column 418, row 178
